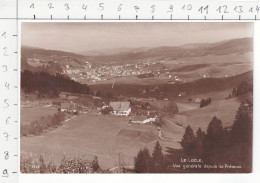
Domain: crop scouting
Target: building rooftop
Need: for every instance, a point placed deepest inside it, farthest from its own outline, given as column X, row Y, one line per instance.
column 120, row 106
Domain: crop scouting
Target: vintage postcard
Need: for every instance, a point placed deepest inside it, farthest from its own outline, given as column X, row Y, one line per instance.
column 136, row 97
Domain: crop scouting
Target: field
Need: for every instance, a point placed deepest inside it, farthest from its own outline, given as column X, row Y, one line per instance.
column 30, row 114
column 192, row 68
column 187, row 106
column 225, row 110
column 103, row 136
column 110, row 137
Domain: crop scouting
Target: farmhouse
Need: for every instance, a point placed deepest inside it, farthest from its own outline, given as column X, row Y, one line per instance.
column 121, row 108
column 68, row 107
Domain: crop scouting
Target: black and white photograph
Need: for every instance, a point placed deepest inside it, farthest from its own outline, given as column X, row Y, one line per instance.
column 127, row 97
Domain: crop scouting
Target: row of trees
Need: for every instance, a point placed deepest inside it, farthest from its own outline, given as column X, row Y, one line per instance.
column 145, row 163
column 223, row 144
column 202, row 143
column 51, row 67
column 47, row 85
column 205, row 102
column 67, row 165
column 103, row 94
column 242, row 88
column 38, row 127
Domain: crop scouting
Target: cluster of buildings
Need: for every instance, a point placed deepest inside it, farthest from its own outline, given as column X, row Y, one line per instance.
column 92, row 74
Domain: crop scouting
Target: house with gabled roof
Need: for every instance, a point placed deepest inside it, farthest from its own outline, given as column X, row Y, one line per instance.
column 120, row 108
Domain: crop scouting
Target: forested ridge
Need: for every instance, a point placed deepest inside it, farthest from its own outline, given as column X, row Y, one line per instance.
column 47, row 85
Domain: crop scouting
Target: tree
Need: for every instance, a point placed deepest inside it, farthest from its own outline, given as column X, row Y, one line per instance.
column 202, row 103
column 142, row 163
column 200, row 135
column 94, row 165
column 234, row 92
column 98, row 94
column 242, row 88
column 215, row 131
column 205, row 102
column 42, row 165
column 158, row 162
column 109, row 95
column 147, row 89
column 242, row 129
column 213, row 141
column 209, row 101
column 171, row 108
column 46, row 85
column 188, row 141
column 106, row 110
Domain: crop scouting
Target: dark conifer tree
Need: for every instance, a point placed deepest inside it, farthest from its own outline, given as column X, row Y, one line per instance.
column 200, row 135
column 142, row 163
column 188, row 141
column 242, row 129
column 213, row 141
column 158, row 161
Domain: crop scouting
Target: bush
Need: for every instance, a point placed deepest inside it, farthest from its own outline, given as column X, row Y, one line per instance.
column 38, row 127
column 106, row 110
column 205, row 102
column 159, row 121
column 67, row 165
column 94, row 165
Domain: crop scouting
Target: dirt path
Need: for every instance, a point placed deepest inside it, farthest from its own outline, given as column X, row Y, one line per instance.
column 66, row 120
column 172, row 122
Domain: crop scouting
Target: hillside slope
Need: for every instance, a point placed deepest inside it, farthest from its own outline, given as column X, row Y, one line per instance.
column 200, row 86
column 234, row 46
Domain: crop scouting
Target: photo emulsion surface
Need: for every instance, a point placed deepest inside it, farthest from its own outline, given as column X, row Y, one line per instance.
column 136, row 97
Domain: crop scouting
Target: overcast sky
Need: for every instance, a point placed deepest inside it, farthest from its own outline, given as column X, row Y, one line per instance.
column 78, row 37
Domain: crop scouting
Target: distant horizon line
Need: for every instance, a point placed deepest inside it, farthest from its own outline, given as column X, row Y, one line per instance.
column 80, row 52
